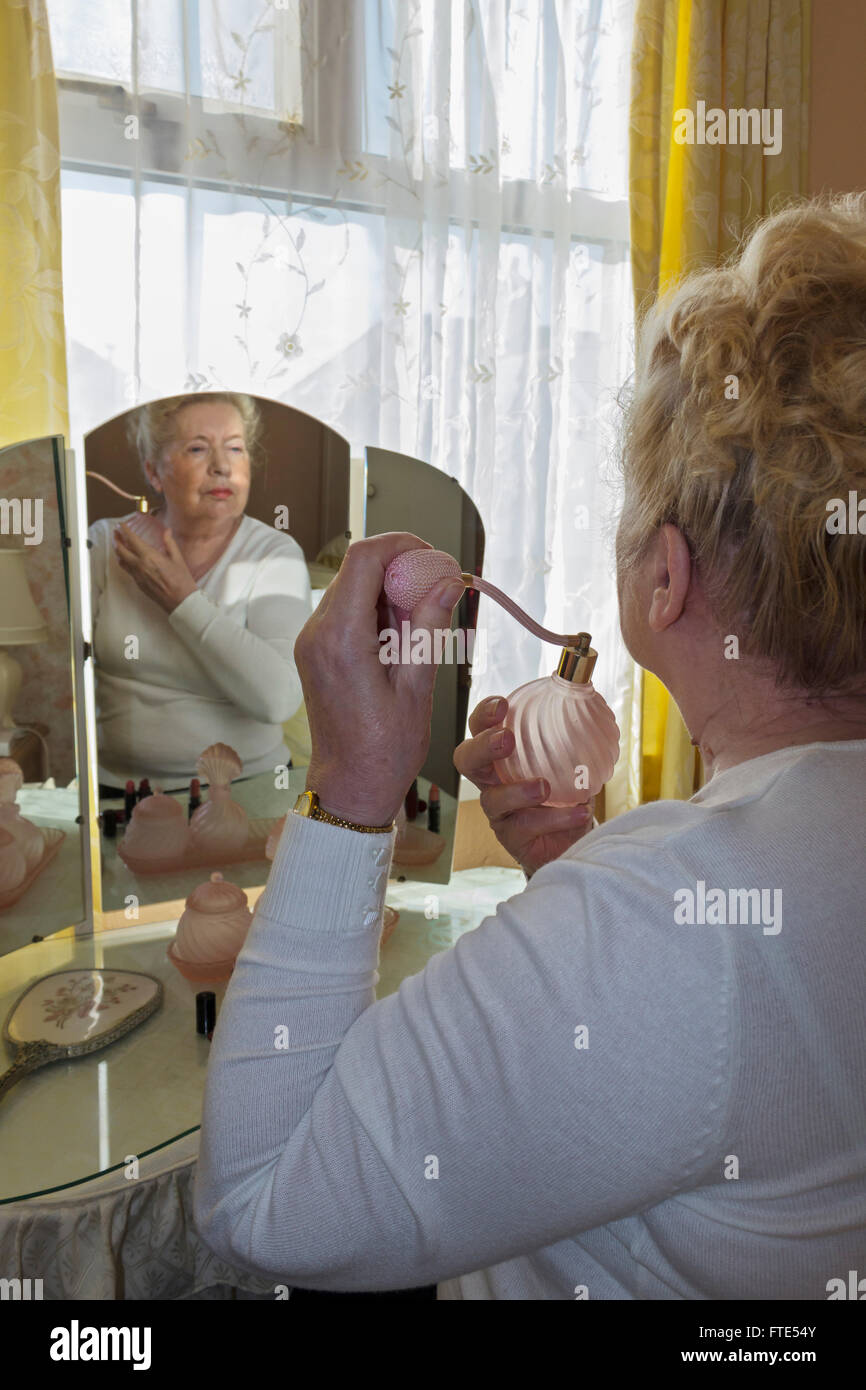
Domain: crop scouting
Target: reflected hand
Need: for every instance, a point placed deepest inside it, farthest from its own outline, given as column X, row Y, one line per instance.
column 162, row 575
column 533, row 834
column 369, row 721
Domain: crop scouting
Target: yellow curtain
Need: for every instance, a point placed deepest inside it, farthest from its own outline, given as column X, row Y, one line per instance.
column 691, row 203
column 33, row 397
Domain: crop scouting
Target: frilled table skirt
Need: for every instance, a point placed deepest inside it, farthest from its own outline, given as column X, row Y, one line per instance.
column 122, row 1238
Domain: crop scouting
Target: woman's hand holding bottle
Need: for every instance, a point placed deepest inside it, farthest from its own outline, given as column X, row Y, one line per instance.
column 532, row 833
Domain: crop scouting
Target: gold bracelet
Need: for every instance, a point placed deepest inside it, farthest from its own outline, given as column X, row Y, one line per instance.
column 307, row 805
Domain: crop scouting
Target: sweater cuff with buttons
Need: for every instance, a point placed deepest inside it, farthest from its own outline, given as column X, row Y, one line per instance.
column 328, row 879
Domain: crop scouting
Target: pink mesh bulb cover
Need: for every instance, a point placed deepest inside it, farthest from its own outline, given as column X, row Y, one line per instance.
column 563, row 732
column 411, row 575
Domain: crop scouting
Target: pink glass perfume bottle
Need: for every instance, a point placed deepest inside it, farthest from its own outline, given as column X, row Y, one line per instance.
column 564, row 730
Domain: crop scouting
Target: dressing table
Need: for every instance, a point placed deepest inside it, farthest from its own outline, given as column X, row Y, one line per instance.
column 73, row 1212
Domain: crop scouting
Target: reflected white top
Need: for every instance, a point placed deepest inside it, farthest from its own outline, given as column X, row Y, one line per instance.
column 220, row 668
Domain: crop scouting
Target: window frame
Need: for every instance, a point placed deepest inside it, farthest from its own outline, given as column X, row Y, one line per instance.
column 98, row 137
column 93, row 116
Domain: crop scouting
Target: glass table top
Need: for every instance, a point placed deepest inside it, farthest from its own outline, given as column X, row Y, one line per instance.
column 73, row 1120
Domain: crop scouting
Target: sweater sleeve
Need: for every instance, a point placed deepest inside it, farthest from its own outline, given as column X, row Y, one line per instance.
column 253, row 666
column 565, row 1064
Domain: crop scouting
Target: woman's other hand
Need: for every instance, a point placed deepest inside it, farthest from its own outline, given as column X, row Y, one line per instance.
column 533, row 833
column 369, row 720
column 163, row 575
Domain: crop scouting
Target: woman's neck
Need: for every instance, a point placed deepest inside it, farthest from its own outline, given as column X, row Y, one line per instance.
column 747, row 724
column 201, row 545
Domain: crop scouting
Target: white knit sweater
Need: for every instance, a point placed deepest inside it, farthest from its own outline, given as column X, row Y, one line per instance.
column 219, row 669
column 588, row 1095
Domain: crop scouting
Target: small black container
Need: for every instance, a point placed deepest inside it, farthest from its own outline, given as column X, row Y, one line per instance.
column 205, row 1012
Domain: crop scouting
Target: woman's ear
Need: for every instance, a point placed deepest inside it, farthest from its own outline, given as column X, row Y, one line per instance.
column 671, row 577
column 152, row 475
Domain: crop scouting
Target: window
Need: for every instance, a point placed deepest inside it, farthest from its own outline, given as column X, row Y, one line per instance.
column 407, row 217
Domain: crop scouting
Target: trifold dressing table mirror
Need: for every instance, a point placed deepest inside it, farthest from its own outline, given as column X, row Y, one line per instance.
column 151, row 723
column 72, row 747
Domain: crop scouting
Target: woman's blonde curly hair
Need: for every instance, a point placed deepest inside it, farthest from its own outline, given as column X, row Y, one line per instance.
column 747, row 418
column 153, row 427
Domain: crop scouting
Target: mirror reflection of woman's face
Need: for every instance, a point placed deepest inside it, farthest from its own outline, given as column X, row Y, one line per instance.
column 204, row 473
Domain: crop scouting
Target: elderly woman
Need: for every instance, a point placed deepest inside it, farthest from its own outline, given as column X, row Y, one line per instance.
column 194, row 633
column 592, row 1095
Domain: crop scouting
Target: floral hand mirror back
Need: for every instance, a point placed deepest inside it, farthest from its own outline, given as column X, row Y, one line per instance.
column 75, row 1012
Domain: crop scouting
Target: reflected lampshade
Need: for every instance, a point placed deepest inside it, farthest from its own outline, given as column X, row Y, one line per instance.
column 21, row 624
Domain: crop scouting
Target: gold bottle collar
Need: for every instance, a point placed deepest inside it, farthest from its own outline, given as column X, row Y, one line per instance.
column 576, row 663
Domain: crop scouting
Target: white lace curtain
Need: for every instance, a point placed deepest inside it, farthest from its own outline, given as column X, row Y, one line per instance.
column 406, row 217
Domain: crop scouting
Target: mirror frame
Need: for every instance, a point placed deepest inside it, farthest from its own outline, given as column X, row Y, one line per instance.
column 74, row 515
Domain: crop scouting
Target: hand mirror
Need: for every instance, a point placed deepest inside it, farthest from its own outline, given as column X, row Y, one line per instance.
column 74, row 1012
